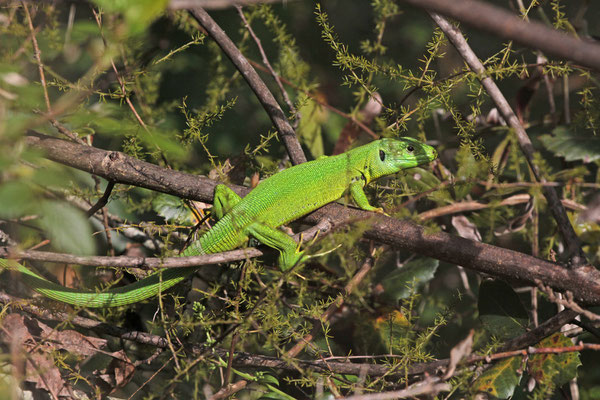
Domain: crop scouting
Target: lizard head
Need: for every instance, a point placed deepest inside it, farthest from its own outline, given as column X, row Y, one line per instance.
column 389, row 156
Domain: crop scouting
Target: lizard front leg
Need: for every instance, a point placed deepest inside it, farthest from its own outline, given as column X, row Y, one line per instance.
column 360, row 198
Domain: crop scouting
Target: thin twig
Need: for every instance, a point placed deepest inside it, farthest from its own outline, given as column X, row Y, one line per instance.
column 455, row 36
column 38, row 56
column 566, row 105
column 227, row 376
column 333, row 307
column 102, row 200
column 317, row 100
column 265, row 60
column 217, row 4
column 229, row 390
column 567, row 302
column 285, row 130
column 427, row 387
column 542, row 331
column 119, row 78
column 148, row 263
column 465, row 206
column 65, row 131
column 500, row 22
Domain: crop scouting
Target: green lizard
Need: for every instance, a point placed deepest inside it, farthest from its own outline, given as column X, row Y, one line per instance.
column 277, row 200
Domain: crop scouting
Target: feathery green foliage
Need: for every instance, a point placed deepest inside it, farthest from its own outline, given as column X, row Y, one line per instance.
column 147, row 81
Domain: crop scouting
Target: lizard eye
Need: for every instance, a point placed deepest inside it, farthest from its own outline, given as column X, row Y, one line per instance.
column 382, row 155
column 410, row 148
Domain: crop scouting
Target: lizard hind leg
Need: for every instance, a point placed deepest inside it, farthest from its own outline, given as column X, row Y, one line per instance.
column 225, row 200
column 289, row 255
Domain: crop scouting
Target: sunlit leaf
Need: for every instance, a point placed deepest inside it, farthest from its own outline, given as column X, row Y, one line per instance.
column 468, row 169
column 501, row 379
column 399, row 283
column 138, row 13
column 572, row 145
column 67, row 227
column 387, row 332
column 16, row 199
column 558, row 368
column 173, row 209
column 309, row 129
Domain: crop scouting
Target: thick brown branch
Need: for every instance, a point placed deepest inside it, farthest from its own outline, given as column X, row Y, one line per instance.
column 262, row 92
column 493, row 260
column 120, row 168
column 499, row 22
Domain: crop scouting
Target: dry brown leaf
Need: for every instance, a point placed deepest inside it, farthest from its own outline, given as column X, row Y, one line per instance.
column 459, row 352
column 22, row 333
column 517, row 223
column 592, row 212
column 38, row 340
column 466, row 228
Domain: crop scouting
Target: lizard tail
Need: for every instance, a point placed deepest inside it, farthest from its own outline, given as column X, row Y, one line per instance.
column 150, row 286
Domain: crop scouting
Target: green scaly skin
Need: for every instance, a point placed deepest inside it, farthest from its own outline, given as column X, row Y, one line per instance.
column 276, row 201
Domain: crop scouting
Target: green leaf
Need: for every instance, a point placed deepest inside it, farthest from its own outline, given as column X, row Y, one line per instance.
column 421, row 180
column 392, row 332
column 572, row 145
column 500, row 310
column 67, row 227
column 276, row 394
column 309, row 129
column 558, row 368
column 399, row 283
column 500, row 380
column 16, row 199
column 173, row 209
column 268, row 378
column 468, row 169
column 138, row 13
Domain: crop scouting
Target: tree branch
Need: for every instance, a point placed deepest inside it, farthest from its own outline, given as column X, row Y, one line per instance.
column 502, row 23
column 133, row 262
column 265, row 60
column 264, row 95
column 584, row 283
column 544, row 330
column 102, row 200
column 243, row 359
column 560, row 215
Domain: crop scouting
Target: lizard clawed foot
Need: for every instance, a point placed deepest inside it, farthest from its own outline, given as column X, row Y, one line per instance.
column 379, row 210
